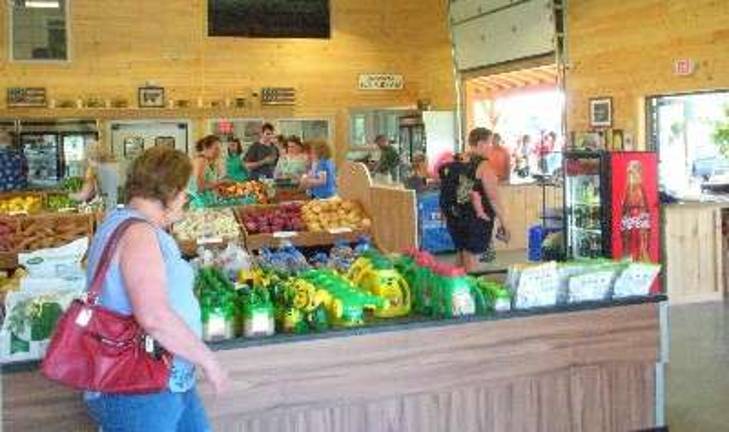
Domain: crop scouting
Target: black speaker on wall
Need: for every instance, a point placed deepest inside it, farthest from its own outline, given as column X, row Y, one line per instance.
column 269, row 18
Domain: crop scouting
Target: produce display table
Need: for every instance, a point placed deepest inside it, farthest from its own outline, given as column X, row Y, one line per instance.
column 27, row 233
column 293, row 193
column 304, row 239
column 590, row 366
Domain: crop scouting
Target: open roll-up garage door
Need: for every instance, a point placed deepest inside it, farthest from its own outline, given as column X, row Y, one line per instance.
column 489, row 32
column 505, row 45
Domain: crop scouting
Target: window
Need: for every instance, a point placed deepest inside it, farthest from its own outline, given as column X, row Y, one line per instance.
column 691, row 134
column 359, row 130
column 305, row 129
column 365, row 125
column 39, row 30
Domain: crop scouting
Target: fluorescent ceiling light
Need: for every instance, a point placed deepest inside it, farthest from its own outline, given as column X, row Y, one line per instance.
column 42, row 4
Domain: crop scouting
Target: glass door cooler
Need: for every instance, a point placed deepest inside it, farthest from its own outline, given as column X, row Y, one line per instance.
column 412, row 136
column 612, row 207
column 586, row 231
column 75, row 151
column 44, row 156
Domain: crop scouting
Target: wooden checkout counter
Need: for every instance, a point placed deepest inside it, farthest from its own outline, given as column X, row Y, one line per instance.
column 592, row 366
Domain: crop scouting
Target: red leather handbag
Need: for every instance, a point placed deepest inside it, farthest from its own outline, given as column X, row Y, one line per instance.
column 94, row 348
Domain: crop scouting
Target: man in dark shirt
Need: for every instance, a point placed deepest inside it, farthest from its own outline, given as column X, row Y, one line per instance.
column 389, row 159
column 261, row 157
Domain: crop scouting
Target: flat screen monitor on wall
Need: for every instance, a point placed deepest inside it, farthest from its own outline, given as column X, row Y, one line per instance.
column 269, row 18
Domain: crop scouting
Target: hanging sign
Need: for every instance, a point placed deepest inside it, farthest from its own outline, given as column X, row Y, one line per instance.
column 381, row 81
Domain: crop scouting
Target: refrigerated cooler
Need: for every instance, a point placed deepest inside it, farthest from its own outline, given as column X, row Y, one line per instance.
column 412, row 136
column 53, row 157
column 431, row 133
column 612, row 207
column 44, row 155
column 55, row 150
column 75, row 150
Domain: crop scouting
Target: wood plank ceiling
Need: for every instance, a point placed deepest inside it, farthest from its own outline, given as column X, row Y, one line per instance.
column 506, row 81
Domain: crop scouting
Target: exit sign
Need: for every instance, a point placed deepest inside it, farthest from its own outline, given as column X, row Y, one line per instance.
column 684, row 67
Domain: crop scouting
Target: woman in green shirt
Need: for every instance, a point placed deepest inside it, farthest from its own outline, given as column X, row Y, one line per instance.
column 206, row 172
column 234, row 163
column 295, row 162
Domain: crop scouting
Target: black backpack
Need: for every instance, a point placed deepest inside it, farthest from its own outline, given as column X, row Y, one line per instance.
column 457, row 181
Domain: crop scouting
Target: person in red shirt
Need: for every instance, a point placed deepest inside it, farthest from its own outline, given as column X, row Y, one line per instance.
column 499, row 159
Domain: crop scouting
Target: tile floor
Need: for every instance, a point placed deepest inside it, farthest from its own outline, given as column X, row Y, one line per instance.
column 698, row 368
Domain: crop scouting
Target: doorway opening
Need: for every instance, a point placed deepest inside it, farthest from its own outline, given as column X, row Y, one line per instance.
column 525, row 107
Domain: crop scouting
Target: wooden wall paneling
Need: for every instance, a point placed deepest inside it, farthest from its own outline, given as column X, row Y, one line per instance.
column 626, row 50
column 576, row 400
column 693, row 252
column 166, row 43
column 523, row 205
column 513, row 198
column 31, row 402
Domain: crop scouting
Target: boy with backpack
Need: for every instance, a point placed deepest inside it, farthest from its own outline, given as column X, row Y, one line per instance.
column 469, row 200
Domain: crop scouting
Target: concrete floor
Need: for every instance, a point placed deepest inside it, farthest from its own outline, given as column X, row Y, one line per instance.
column 698, row 368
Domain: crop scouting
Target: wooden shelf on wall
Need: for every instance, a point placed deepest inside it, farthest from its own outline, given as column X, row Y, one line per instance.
column 145, row 113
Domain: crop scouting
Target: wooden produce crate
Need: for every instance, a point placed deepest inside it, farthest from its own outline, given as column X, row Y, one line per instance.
column 6, row 197
column 188, row 245
column 52, row 230
column 34, row 232
column 8, row 240
column 287, row 194
column 304, row 239
column 255, row 242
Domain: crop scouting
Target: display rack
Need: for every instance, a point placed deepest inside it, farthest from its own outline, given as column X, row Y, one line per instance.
column 393, row 219
column 254, row 242
column 393, row 210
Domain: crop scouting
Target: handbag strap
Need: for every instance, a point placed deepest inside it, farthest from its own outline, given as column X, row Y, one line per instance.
column 107, row 255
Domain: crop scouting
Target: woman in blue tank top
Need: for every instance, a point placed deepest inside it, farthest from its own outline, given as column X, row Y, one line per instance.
column 149, row 279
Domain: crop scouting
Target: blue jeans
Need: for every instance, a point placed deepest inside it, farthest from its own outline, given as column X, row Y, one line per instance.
column 159, row 412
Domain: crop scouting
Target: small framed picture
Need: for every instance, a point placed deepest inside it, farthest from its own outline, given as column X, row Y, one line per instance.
column 590, row 141
column 133, row 146
column 618, row 140
column 22, row 97
column 151, row 97
column 165, row 141
column 601, row 112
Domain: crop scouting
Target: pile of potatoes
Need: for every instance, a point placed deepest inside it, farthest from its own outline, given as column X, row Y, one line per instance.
column 322, row 215
column 47, row 231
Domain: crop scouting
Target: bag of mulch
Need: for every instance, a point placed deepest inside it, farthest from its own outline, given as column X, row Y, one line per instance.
column 31, row 317
column 58, row 262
